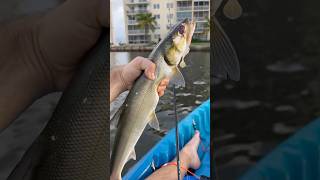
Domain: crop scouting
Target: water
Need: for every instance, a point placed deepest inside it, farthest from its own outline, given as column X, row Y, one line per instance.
column 279, row 91
column 197, row 90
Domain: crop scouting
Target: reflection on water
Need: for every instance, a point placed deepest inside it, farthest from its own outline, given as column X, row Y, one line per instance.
column 197, row 77
column 279, row 90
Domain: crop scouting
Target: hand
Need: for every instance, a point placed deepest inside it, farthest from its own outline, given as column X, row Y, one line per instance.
column 39, row 54
column 133, row 70
column 127, row 74
column 66, row 34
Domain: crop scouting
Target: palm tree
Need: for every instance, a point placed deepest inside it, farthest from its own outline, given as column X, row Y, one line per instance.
column 146, row 21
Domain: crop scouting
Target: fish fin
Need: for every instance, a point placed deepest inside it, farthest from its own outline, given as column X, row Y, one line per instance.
column 132, row 155
column 225, row 62
column 154, row 123
column 178, row 78
column 116, row 117
column 182, row 63
column 232, row 9
column 216, row 5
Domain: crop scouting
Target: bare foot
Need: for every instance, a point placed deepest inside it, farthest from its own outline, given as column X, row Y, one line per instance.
column 190, row 150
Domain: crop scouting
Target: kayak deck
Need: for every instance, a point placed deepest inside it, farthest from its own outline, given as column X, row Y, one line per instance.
column 296, row 159
column 165, row 150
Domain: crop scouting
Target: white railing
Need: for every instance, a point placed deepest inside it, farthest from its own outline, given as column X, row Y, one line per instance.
column 201, row 29
column 200, row 18
column 201, row 8
column 138, row 41
column 130, row 22
column 137, row 1
column 138, row 11
column 136, row 31
column 184, row 8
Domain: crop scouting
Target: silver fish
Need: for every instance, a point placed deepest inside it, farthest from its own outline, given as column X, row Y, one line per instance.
column 138, row 110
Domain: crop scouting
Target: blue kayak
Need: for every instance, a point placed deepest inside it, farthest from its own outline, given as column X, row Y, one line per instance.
column 298, row 158
column 165, row 150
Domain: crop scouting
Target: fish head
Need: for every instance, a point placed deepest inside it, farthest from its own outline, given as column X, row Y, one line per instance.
column 181, row 36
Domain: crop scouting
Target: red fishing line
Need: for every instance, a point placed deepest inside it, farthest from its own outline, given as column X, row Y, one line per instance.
column 175, row 164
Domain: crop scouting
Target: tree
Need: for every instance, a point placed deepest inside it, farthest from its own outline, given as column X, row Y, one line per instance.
column 146, row 21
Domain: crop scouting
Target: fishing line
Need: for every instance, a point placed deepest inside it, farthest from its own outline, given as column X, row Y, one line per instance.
column 177, row 131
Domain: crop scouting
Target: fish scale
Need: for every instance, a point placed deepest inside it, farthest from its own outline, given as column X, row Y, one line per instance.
column 73, row 145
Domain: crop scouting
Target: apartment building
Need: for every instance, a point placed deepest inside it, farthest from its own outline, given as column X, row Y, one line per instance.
column 167, row 13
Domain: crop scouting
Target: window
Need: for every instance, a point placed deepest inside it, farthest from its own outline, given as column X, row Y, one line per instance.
column 156, row 6
column 169, row 16
column 206, row 3
column 157, row 16
column 131, row 18
column 170, row 5
column 183, row 15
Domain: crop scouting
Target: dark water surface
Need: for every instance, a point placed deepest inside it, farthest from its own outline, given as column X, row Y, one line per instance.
column 278, row 43
column 197, row 90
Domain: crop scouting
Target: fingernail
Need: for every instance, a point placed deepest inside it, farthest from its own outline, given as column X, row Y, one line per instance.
column 153, row 76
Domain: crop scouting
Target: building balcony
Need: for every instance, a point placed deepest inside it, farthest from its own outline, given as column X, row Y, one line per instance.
column 184, row 8
column 132, row 22
column 138, row 42
column 134, row 2
column 136, row 31
column 140, row 11
column 204, row 37
column 200, row 18
column 201, row 8
column 201, row 30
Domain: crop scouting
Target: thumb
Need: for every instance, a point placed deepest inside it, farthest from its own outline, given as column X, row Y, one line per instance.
column 148, row 67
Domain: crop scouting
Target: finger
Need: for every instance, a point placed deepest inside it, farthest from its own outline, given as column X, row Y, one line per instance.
column 147, row 66
column 161, row 88
column 150, row 71
column 164, row 82
column 77, row 22
column 161, row 93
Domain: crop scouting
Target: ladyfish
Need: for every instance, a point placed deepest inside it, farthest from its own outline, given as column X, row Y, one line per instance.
column 139, row 107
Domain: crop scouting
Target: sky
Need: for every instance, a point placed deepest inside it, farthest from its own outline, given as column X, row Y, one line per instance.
column 117, row 15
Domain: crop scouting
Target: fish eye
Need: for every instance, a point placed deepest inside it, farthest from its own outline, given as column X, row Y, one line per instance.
column 181, row 29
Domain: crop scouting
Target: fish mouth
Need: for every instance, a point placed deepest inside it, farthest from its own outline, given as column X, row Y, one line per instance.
column 190, row 25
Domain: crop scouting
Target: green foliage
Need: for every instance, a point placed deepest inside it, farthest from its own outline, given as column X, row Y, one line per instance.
column 146, row 21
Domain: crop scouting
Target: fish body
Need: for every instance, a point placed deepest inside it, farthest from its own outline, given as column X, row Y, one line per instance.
column 138, row 110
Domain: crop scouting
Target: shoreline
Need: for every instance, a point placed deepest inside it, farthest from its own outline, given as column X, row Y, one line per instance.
column 193, row 47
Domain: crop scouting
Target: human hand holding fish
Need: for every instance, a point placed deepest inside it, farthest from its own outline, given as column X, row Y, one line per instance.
column 138, row 110
column 123, row 77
